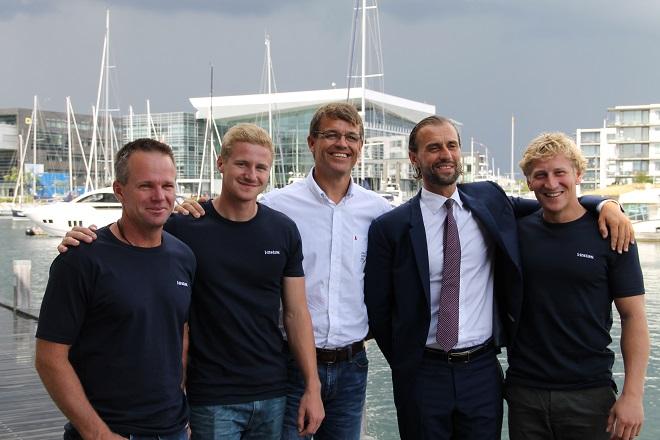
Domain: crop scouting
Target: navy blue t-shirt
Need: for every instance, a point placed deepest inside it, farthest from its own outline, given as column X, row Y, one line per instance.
column 571, row 277
column 236, row 346
column 122, row 309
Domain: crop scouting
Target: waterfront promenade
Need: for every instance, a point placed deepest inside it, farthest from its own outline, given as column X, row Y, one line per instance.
column 26, row 410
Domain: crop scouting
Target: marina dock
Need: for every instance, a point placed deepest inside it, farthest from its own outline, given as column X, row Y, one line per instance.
column 26, row 410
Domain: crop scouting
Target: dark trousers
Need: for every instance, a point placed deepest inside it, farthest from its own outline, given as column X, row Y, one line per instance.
column 536, row 414
column 442, row 400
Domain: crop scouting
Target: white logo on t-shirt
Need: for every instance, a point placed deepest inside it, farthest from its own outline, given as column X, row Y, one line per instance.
column 182, row 283
column 271, row 252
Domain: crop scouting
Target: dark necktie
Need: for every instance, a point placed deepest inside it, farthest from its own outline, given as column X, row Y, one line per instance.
column 447, row 330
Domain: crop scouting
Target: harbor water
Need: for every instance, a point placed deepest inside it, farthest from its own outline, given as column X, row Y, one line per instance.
column 381, row 416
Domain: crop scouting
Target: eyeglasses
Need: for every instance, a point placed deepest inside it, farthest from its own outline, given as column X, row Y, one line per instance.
column 334, row 136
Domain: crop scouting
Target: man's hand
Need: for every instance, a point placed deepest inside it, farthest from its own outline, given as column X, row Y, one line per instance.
column 191, row 206
column 310, row 412
column 75, row 236
column 620, row 228
column 626, row 418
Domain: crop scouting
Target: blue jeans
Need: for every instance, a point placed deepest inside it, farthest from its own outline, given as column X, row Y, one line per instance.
column 70, row 433
column 343, row 388
column 258, row 420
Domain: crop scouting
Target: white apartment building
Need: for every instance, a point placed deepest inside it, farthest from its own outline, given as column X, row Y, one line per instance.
column 597, row 149
column 627, row 148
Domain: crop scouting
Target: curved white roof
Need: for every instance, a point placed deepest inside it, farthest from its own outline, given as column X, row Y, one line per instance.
column 243, row 105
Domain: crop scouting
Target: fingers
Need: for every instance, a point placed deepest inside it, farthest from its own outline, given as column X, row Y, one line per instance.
column 181, row 210
column 602, row 227
column 301, row 420
column 610, row 422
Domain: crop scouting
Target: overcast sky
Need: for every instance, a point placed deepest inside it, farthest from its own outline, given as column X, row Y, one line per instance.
column 554, row 64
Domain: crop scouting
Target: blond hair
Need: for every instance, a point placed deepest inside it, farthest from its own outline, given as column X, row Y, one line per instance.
column 549, row 145
column 250, row 133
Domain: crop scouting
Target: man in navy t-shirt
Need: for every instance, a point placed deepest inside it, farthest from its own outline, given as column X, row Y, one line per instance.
column 112, row 328
column 559, row 382
column 249, row 260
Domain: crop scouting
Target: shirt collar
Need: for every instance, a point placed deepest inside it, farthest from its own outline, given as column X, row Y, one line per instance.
column 435, row 202
column 316, row 189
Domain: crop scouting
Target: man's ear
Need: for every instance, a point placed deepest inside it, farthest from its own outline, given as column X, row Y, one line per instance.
column 118, row 190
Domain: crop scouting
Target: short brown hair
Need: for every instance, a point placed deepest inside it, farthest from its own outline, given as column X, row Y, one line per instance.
column 548, row 145
column 250, row 133
column 337, row 110
column 429, row 120
column 143, row 144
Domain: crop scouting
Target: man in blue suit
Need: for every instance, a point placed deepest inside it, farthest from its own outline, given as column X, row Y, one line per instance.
column 443, row 289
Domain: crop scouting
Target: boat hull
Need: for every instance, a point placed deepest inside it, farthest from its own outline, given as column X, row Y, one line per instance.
column 58, row 218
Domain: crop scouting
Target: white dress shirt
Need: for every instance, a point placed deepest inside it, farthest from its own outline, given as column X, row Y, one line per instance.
column 475, row 308
column 334, row 240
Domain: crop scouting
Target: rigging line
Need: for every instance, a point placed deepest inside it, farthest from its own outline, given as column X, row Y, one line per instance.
column 349, row 72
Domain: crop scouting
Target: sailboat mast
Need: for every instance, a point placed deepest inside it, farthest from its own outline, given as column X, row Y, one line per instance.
column 211, row 147
column 68, row 130
column 269, row 74
column 363, row 82
column 513, row 123
column 34, row 149
column 107, row 143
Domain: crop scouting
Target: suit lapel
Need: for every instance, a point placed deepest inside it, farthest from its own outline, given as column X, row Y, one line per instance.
column 418, row 240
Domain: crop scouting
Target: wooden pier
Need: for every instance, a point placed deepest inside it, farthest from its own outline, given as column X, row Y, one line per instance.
column 26, row 410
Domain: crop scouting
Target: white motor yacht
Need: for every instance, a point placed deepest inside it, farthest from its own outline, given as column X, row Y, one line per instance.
column 99, row 207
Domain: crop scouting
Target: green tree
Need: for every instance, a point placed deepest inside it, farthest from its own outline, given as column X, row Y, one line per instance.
column 642, row 177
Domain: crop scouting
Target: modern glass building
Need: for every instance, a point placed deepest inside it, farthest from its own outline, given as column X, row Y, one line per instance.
column 388, row 121
column 51, row 166
column 181, row 131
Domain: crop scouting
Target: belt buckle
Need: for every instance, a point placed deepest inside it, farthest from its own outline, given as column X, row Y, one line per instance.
column 460, row 357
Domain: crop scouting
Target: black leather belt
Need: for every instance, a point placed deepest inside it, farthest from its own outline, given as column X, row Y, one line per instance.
column 460, row 355
column 330, row 356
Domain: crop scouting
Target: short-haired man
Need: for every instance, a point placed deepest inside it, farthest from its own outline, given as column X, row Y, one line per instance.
column 249, row 259
column 443, row 289
column 559, row 380
column 333, row 215
column 111, row 339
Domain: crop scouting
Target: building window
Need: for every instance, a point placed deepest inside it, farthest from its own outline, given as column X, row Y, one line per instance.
column 628, row 151
column 590, row 137
column 632, row 117
column 590, row 150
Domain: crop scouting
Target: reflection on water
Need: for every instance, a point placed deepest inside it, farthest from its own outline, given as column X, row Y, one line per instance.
column 381, row 416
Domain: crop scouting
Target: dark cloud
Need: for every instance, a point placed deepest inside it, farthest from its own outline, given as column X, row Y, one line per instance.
column 12, row 8
column 225, row 7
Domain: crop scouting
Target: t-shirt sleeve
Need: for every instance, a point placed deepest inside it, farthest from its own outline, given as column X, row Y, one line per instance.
column 625, row 274
column 294, row 267
column 65, row 301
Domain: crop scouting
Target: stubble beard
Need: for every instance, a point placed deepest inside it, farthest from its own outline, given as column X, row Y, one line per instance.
column 428, row 175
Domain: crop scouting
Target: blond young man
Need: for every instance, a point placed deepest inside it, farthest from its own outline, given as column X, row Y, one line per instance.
column 333, row 215
column 559, row 381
